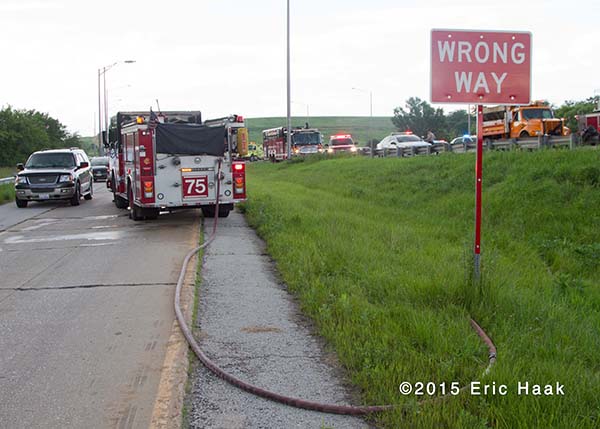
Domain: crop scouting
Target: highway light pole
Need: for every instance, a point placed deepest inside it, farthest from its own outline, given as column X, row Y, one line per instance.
column 102, row 75
column 370, row 115
column 469, row 119
column 289, row 92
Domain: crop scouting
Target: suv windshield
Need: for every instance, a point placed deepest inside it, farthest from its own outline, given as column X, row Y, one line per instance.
column 99, row 161
column 50, row 160
column 306, row 138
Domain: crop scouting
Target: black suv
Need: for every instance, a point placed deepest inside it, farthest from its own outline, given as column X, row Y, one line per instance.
column 59, row 174
column 100, row 165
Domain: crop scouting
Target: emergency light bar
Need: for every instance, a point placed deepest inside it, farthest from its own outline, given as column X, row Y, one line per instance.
column 341, row 136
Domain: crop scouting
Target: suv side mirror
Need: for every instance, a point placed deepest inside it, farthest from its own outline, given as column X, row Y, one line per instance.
column 20, row 167
column 84, row 165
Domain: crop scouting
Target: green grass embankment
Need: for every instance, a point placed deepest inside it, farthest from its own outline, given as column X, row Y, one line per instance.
column 379, row 252
column 7, row 192
column 7, row 172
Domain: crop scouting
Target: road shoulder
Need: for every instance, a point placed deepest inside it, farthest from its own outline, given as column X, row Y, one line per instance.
column 168, row 407
column 252, row 327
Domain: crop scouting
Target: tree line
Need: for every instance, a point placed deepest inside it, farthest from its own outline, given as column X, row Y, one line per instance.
column 420, row 117
column 23, row 132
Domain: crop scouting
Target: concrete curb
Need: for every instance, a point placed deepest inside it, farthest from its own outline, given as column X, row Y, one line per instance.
column 168, row 406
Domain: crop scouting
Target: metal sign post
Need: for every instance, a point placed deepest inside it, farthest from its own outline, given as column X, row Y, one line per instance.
column 478, row 180
column 480, row 67
column 289, row 91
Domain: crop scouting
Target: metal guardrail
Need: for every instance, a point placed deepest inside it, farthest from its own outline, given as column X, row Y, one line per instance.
column 532, row 143
column 7, row 180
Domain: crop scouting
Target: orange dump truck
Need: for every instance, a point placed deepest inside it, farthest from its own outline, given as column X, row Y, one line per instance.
column 506, row 122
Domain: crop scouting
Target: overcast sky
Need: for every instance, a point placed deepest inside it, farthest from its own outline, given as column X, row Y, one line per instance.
column 224, row 57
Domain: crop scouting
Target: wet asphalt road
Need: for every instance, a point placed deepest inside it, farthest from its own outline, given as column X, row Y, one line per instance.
column 251, row 326
column 85, row 312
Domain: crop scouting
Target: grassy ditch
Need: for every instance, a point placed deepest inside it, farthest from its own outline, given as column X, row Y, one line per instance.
column 379, row 252
column 7, row 172
column 7, row 193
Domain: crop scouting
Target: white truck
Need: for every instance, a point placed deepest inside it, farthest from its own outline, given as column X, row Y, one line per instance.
column 171, row 160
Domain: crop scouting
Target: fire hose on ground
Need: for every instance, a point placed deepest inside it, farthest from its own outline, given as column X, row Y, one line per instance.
column 287, row 400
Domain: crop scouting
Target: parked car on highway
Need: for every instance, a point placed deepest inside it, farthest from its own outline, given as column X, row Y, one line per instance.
column 403, row 140
column 465, row 139
column 59, row 174
column 100, row 167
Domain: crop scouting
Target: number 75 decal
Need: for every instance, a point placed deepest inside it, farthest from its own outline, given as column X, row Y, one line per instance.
column 195, row 186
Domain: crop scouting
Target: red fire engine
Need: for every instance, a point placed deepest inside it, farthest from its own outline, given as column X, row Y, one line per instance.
column 304, row 141
column 172, row 160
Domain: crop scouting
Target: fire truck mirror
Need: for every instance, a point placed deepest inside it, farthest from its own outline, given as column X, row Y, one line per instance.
column 112, row 135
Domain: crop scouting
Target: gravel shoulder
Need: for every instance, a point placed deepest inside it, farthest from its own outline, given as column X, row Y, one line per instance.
column 251, row 326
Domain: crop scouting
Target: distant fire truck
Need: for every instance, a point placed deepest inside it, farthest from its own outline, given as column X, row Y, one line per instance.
column 304, row 141
column 172, row 160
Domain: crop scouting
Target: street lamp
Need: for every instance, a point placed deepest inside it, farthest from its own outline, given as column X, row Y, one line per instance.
column 370, row 113
column 289, row 92
column 102, row 74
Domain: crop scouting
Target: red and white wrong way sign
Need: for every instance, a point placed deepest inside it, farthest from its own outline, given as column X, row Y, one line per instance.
column 480, row 67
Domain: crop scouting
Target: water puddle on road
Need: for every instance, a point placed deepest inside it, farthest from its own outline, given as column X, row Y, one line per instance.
column 108, row 235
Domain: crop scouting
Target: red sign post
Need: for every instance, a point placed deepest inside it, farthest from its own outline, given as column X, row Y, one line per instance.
column 480, row 67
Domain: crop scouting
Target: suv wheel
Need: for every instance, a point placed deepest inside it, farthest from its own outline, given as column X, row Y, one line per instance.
column 77, row 196
column 90, row 194
column 21, row 203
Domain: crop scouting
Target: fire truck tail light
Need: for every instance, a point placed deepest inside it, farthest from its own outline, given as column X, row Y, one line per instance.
column 148, row 189
column 239, row 185
column 239, row 179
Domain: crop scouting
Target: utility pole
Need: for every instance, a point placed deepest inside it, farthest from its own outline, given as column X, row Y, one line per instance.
column 289, row 92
